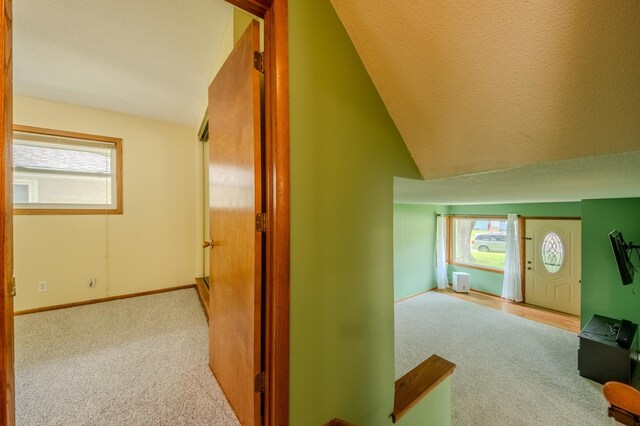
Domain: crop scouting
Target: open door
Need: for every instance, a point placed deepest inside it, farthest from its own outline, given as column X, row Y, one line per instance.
column 236, row 207
column 7, row 288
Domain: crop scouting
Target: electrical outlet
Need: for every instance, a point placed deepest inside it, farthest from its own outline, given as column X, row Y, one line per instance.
column 91, row 282
column 43, row 286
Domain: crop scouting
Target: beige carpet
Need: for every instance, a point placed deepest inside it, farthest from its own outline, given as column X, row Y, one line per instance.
column 510, row 370
column 138, row 361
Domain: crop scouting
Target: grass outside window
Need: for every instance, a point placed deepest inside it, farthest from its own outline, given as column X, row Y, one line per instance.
column 478, row 242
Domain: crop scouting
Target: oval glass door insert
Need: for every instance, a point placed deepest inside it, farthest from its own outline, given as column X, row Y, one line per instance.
column 552, row 252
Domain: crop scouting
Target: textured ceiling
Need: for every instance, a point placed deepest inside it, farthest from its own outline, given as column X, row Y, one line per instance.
column 477, row 86
column 604, row 176
column 152, row 58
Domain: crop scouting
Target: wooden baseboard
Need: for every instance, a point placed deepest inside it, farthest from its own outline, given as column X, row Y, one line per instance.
column 488, row 294
column 473, row 290
column 102, row 300
column 203, row 294
column 414, row 295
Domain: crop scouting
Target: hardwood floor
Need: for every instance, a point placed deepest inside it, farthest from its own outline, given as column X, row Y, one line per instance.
column 557, row 319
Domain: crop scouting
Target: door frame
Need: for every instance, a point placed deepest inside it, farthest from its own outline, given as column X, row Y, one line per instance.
column 7, row 370
column 276, row 320
column 523, row 245
column 276, row 58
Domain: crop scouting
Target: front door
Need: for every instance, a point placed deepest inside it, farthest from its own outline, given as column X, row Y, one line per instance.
column 235, row 200
column 553, row 264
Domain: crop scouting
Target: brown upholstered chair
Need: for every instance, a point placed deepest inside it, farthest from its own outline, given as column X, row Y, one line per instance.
column 624, row 403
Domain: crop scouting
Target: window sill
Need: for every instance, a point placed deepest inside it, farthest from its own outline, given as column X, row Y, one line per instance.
column 480, row 268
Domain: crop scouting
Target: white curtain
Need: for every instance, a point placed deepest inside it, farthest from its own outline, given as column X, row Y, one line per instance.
column 441, row 253
column 511, row 285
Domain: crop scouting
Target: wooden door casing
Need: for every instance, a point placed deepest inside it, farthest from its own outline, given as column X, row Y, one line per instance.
column 235, row 198
column 7, row 411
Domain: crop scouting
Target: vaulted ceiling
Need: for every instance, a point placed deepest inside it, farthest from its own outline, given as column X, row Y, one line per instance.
column 472, row 86
column 152, row 58
column 479, row 86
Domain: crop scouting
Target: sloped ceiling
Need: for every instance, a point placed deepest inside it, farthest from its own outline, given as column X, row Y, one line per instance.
column 152, row 58
column 479, row 86
column 603, row 176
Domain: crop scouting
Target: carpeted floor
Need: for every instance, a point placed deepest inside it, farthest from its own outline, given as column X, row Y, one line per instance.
column 138, row 361
column 510, row 370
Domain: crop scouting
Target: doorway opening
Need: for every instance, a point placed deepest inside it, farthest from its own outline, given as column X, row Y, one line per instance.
column 276, row 207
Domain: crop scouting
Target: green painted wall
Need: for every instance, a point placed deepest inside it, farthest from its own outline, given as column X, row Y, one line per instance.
column 345, row 151
column 414, row 251
column 602, row 290
column 491, row 282
column 433, row 410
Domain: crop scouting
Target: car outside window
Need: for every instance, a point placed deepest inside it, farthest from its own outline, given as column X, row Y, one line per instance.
column 478, row 242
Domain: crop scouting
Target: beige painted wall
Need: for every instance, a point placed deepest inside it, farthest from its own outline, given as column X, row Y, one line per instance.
column 153, row 245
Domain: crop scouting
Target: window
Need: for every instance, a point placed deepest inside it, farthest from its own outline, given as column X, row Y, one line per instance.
column 57, row 172
column 478, row 242
column 552, row 252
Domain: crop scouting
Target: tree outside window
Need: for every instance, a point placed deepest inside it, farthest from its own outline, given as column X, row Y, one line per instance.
column 479, row 242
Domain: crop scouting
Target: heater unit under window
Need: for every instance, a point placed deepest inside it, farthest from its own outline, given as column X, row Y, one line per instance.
column 460, row 282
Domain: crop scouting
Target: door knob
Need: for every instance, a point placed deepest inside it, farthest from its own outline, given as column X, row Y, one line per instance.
column 207, row 244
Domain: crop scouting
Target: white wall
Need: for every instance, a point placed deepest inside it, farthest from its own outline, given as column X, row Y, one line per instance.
column 153, row 245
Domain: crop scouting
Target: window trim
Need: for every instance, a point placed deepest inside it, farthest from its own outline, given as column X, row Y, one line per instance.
column 450, row 257
column 86, row 136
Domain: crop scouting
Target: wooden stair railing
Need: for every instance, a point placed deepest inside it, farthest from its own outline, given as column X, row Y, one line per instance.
column 414, row 385
column 338, row 422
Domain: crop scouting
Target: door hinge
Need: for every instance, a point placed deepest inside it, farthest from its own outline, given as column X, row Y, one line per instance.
column 259, row 382
column 261, row 222
column 258, row 61
column 13, row 286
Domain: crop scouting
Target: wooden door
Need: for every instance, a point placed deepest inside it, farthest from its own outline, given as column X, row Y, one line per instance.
column 7, row 408
column 235, row 198
column 553, row 264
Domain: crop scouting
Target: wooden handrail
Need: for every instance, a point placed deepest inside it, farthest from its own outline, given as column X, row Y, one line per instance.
column 338, row 422
column 414, row 385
